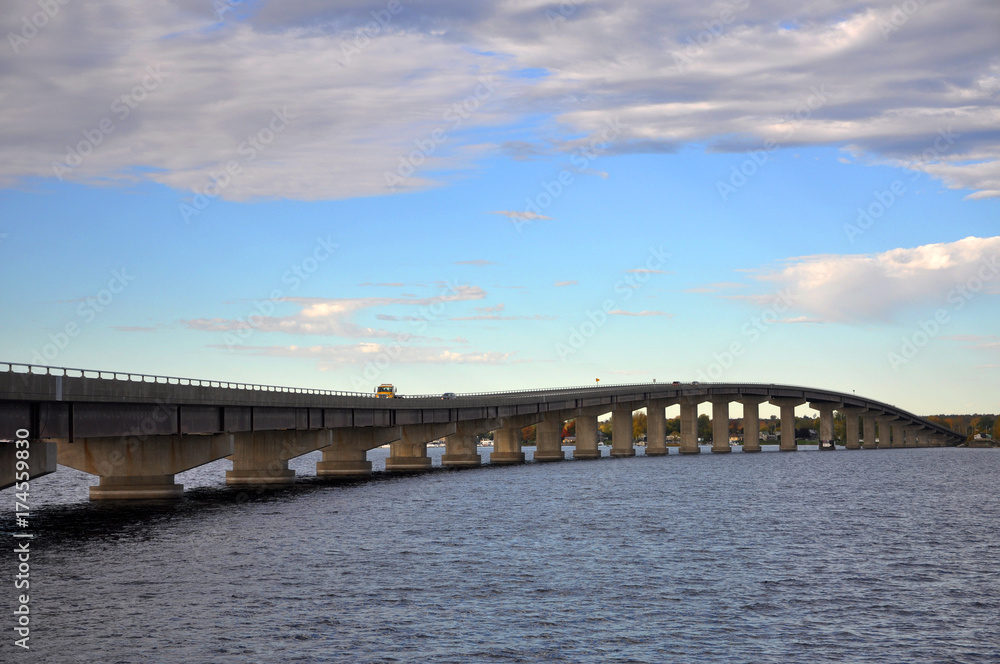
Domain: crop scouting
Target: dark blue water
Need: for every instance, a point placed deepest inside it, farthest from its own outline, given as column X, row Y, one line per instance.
column 864, row 556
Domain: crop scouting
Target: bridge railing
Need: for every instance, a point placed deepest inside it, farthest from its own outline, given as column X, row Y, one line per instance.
column 19, row 367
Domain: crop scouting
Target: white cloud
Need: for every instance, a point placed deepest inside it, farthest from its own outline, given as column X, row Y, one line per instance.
column 334, row 316
column 838, row 77
column 876, row 287
column 620, row 312
column 334, row 357
column 799, row 319
column 978, row 342
column 514, row 215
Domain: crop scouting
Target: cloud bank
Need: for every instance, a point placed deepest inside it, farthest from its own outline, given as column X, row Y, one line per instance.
column 307, row 100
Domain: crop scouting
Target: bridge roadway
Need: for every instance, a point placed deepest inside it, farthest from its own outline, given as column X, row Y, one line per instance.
column 136, row 431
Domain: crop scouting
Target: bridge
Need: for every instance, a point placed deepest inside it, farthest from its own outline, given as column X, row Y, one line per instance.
column 136, row 432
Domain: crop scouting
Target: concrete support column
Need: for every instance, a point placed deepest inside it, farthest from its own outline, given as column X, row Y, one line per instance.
column 751, row 423
column 898, row 435
column 347, row 455
column 656, row 427
column 41, row 460
column 586, row 438
column 141, row 467
column 825, row 420
column 621, row 431
column 787, row 406
column 689, row 427
column 720, row 425
column 911, row 435
column 507, row 440
column 851, row 419
column 261, row 457
column 923, row 437
column 548, row 438
column 885, row 431
column 869, row 426
column 409, row 453
column 461, row 449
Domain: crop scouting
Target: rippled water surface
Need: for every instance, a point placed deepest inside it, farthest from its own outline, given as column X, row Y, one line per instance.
column 861, row 556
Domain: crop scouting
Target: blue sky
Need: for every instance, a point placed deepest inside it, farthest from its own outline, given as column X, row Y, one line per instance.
column 486, row 198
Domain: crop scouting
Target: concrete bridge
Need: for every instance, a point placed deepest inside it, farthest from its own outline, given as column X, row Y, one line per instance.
column 136, row 432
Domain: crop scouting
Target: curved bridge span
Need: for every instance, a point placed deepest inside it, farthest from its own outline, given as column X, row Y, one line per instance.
column 137, row 431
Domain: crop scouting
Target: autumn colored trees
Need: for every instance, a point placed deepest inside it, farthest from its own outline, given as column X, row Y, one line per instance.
column 970, row 425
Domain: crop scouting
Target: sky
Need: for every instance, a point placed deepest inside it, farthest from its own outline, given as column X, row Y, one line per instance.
column 467, row 197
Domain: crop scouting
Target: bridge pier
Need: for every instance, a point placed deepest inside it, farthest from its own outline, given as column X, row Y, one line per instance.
column 787, row 406
column 41, row 460
column 898, row 435
column 261, row 457
column 825, row 409
column 409, row 453
column 507, row 439
column 142, row 468
column 853, row 430
column 911, row 435
column 586, row 436
column 621, row 431
column 751, row 423
column 656, row 426
column 689, row 426
column 720, row 425
column 885, row 430
column 347, row 455
column 548, row 438
column 868, row 421
column 461, row 449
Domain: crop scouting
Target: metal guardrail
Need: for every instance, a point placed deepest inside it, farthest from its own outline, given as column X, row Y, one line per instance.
column 199, row 382
column 167, row 380
column 127, row 376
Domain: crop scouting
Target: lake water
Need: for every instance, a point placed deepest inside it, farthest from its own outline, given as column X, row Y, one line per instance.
column 855, row 556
